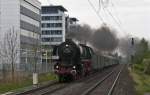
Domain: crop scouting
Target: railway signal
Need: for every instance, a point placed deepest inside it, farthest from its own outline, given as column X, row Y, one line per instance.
column 132, row 41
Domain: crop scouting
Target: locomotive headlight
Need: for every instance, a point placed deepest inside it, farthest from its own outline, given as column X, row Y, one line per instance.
column 67, row 45
column 74, row 67
column 57, row 67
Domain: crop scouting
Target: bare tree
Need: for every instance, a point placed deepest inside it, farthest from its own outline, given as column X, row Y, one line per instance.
column 9, row 49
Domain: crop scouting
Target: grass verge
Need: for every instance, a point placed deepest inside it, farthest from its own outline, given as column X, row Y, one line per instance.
column 142, row 81
column 5, row 87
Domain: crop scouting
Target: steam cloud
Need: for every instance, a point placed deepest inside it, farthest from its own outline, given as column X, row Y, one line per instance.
column 103, row 39
column 80, row 33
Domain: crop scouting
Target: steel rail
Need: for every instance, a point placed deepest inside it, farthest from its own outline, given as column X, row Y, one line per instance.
column 88, row 91
column 115, row 82
column 97, row 84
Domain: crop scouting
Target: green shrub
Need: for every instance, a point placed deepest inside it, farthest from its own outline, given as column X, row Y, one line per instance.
column 147, row 67
column 139, row 67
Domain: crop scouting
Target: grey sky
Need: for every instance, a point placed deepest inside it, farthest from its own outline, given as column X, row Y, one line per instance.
column 133, row 14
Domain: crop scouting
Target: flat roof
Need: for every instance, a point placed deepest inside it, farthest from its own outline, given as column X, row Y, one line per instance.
column 74, row 19
column 56, row 7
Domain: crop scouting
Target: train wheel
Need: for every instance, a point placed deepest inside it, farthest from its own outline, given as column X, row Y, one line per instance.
column 72, row 78
column 69, row 78
column 61, row 78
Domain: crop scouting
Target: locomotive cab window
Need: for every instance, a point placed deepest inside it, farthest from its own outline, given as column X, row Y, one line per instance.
column 55, row 51
column 88, row 52
column 84, row 53
column 91, row 51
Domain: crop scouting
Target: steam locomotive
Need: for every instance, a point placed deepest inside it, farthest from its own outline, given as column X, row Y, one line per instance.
column 74, row 61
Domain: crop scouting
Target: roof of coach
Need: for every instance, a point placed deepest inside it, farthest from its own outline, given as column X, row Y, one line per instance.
column 109, row 56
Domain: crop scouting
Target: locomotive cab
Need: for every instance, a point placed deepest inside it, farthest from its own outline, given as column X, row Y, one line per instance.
column 86, row 58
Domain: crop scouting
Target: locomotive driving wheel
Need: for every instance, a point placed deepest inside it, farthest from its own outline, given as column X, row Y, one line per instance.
column 61, row 78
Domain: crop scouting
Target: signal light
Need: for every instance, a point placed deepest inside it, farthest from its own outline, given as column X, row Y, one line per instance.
column 132, row 41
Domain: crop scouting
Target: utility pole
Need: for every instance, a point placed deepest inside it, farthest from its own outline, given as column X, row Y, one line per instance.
column 26, row 56
column 132, row 52
column 132, row 48
column 46, row 60
column 35, row 58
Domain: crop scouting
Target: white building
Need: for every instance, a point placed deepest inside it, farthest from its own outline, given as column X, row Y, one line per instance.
column 24, row 16
column 53, row 25
column 72, row 24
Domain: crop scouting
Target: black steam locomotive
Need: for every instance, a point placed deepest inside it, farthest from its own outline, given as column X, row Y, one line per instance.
column 74, row 61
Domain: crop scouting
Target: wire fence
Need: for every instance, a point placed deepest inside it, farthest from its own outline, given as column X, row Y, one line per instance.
column 24, row 70
column 28, row 62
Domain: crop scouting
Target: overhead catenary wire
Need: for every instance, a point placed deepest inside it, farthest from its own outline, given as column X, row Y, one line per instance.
column 114, row 9
column 113, row 17
column 99, row 8
column 104, row 4
column 106, row 9
column 97, row 13
column 105, row 13
column 99, row 5
column 118, row 21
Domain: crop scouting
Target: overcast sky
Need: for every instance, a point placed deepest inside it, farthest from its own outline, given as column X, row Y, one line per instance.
column 134, row 15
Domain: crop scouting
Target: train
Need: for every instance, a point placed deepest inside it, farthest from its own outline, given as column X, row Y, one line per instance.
column 73, row 61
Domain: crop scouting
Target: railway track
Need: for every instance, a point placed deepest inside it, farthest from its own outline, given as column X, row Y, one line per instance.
column 38, row 90
column 90, row 78
column 50, row 88
column 100, row 84
column 44, row 90
column 54, row 87
column 76, row 87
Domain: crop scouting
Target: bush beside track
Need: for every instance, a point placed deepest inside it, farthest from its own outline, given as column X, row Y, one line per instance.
column 142, row 80
column 140, row 69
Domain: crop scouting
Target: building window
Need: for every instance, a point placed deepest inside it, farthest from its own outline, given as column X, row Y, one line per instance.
column 46, row 10
column 52, row 32
column 44, row 25
column 44, row 18
column 58, row 39
column 45, row 39
column 49, row 25
column 52, row 39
